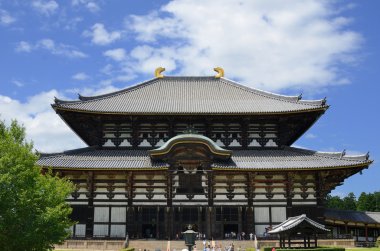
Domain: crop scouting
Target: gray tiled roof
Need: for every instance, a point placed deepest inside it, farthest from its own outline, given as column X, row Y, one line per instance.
column 293, row 222
column 287, row 158
column 352, row 216
column 190, row 95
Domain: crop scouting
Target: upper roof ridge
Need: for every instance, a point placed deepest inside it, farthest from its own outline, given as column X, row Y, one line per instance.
column 294, row 99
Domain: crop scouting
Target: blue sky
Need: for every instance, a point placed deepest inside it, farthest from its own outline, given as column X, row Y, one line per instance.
column 318, row 48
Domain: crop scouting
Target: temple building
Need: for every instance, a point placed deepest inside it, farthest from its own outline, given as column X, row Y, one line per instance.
column 206, row 151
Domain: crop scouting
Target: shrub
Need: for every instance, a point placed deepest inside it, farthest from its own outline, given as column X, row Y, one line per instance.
column 306, row 249
column 128, row 249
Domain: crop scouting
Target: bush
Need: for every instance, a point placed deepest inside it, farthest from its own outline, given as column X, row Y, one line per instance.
column 128, row 249
column 306, row 249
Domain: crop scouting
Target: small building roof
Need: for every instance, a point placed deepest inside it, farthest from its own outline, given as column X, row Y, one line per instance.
column 352, row 216
column 294, row 222
column 190, row 95
column 268, row 159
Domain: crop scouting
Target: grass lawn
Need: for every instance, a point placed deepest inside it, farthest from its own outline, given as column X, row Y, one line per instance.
column 363, row 249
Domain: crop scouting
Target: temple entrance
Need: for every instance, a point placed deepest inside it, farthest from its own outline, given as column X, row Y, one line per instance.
column 230, row 231
column 148, row 231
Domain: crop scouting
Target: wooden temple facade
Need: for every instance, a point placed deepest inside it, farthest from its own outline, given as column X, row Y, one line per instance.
column 206, row 151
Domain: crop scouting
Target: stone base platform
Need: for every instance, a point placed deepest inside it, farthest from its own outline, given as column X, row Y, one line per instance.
column 152, row 245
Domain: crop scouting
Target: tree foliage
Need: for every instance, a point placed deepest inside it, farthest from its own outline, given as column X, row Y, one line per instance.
column 33, row 211
column 365, row 202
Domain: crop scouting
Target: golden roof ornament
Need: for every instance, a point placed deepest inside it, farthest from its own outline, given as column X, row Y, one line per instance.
column 220, row 72
column 158, row 71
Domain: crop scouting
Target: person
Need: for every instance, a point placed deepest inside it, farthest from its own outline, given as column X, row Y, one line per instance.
column 251, row 236
column 195, row 248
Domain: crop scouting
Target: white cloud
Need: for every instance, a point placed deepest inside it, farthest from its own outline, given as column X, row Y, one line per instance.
column 80, row 76
column 24, row 46
column 52, row 47
column 17, row 83
column 37, row 116
column 101, row 36
column 267, row 44
column 6, row 18
column 45, row 7
column 92, row 6
column 116, row 54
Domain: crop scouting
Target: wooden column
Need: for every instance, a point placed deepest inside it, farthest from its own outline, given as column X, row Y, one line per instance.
column 366, row 233
column 158, row 223
column 139, row 222
column 250, row 218
column 209, row 222
column 168, row 222
column 90, row 205
column 304, row 241
column 289, row 194
column 210, row 188
column 169, row 189
column 240, row 221
column 200, row 227
column 131, row 224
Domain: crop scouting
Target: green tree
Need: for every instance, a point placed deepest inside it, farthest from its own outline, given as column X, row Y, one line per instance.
column 33, row 211
column 362, row 202
column 349, row 202
column 334, row 202
column 377, row 201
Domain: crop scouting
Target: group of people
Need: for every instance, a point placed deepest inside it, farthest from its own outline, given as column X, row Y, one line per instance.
column 239, row 236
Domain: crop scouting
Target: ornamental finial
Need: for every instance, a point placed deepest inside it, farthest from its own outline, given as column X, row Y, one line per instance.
column 158, row 71
column 220, row 72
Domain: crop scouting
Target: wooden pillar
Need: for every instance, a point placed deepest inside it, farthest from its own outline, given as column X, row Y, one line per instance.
column 169, row 189
column 130, row 193
column 315, row 240
column 240, row 221
column 139, row 222
column 249, row 211
column 289, row 242
column 289, row 194
column 308, row 241
column 210, row 188
column 131, row 225
column 168, row 222
column 158, row 223
column 90, row 205
column 366, row 233
column 346, row 227
column 209, row 222
column 304, row 241
column 200, row 227
column 250, row 218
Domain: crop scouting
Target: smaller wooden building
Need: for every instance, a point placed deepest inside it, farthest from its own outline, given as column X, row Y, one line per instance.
column 299, row 230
